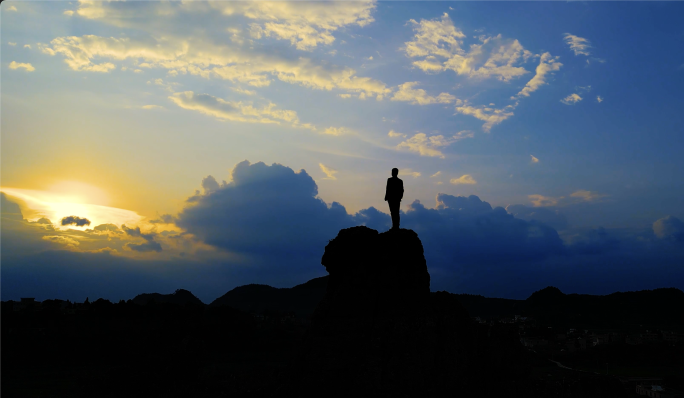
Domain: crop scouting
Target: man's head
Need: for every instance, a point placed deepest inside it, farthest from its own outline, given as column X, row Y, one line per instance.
column 395, row 171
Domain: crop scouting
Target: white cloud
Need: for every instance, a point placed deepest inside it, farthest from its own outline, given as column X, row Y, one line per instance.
column 424, row 145
column 11, row 8
column 587, row 196
column 577, row 44
column 436, row 174
column 462, row 135
column 236, row 111
column 543, row 201
column 599, row 99
column 17, row 65
column 464, row 179
column 441, row 45
column 336, row 131
column 410, row 172
column 345, row 96
column 490, row 116
column 407, row 93
column 534, row 159
column 243, row 91
column 152, row 107
column 571, row 99
column 201, row 58
column 304, row 24
column 574, row 198
column 547, row 64
column 27, row 46
column 11, row 43
column 68, row 13
column 394, row 134
column 329, row 172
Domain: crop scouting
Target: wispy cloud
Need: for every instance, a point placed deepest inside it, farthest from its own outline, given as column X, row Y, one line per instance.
column 436, row 174
column 210, row 61
column 328, row 171
column 152, row 107
column 462, row 135
column 599, row 99
column 440, row 45
column 578, row 196
column 426, row 146
column 407, row 93
column 68, row 13
column 587, row 196
column 547, row 64
column 236, row 111
column 491, row 116
column 243, row 91
column 336, row 131
column 578, row 45
column 11, row 43
column 543, row 201
column 11, row 8
column 571, row 99
column 464, row 179
column 17, row 65
column 534, row 159
column 394, row 134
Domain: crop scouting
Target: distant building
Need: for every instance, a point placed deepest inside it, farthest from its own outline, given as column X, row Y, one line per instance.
column 26, row 304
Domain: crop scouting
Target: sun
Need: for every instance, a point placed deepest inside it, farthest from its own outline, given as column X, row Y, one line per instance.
column 71, row 198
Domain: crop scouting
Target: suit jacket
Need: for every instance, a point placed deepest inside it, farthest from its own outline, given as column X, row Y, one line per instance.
column 395, row 189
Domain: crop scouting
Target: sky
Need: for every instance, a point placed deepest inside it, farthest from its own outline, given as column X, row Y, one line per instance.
column 150, row 146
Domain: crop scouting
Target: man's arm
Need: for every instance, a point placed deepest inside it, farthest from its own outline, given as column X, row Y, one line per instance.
column 401, row 195
column 387, row 189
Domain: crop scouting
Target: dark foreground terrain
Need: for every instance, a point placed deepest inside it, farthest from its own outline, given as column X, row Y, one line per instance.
column 370, row 328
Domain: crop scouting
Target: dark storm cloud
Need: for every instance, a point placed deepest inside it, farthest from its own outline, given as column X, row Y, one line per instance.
column 148, row 246
column 75, row 220
column 164, row 219
column 145, row 247
column 551, row 217
column 272, row 211
column 468, row 230
column 10, row 208
column 210, row 185
column 669, row 228
column 265, row 210
column 106, row 227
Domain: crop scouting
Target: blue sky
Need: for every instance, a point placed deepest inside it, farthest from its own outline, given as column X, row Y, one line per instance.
column 565, row 114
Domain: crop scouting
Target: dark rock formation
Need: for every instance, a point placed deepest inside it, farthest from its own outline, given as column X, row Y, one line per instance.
column 380, row 332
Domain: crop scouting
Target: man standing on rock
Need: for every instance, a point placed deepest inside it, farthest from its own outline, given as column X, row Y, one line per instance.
column 393, row 194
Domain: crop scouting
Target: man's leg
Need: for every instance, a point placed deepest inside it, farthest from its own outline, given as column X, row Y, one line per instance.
column 394, row 210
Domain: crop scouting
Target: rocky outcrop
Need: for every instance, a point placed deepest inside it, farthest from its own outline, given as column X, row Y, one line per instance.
column 380, row 332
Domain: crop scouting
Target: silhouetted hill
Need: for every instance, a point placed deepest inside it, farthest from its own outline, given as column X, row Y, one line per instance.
column 657, row 308
column 180, row 296
column 301, row 299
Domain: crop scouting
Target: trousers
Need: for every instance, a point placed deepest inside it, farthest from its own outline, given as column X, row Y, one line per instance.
column 394, row 210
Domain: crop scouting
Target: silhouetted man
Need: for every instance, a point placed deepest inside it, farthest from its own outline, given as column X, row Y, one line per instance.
column 393, row 194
